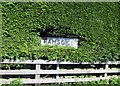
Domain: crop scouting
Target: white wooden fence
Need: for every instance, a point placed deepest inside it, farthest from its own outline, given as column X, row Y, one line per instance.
column 38, row 71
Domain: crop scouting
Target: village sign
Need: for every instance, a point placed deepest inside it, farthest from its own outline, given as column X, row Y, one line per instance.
column 72, row 42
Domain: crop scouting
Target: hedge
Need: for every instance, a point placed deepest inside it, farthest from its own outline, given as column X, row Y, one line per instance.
column 111, row 82
column 94, row 24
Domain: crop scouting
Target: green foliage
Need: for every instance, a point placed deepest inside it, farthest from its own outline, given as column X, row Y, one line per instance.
column 94, row 24
column 16, row 82
column 111, row 82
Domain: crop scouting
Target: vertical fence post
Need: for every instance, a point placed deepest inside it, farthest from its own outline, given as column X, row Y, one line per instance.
column 0, row 37
column 0, row 69
column 37, row 76
column 106, row 67
column 58, row 67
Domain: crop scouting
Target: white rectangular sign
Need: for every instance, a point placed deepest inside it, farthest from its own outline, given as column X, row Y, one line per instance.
column 72, row 42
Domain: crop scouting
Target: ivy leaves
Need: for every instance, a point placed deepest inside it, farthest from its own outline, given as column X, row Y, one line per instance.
column 94, row 24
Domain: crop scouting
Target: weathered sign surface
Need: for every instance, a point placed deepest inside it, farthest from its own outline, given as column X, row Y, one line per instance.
column 72, row 42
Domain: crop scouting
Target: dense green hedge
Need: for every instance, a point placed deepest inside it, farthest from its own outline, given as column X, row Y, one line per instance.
column 94, row 24
column 111, row 82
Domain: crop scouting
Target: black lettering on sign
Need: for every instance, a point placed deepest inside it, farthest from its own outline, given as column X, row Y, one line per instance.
column 45, row 41
column 49, row 41
column 58, row 42
column 67, row 43
column 54, row 42
column 63, row 42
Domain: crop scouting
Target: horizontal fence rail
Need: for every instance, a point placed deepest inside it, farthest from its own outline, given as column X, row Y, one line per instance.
column 61, row 80
column 38, row 71
column 53, row 62
column 31, row 72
